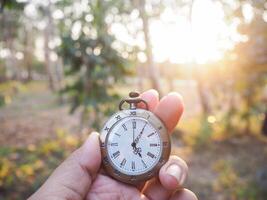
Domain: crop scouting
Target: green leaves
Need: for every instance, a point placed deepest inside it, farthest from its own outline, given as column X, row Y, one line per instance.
column 92, row 65
column 11, row 4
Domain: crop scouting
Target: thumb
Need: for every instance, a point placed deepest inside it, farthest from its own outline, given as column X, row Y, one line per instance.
column 73, row 178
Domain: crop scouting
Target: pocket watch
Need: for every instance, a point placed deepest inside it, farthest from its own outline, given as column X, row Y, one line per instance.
column 134, row 142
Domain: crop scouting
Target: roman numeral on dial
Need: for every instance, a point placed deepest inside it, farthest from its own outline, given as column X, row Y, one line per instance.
column 124, row 127
column 116, row 154
column 151, row 134
column 123, row 162
column 117, row 134
column 134, row 124
column 151, row 155
column 153, row 145
column 144, row 163
column 118, row 117
column 133, row 165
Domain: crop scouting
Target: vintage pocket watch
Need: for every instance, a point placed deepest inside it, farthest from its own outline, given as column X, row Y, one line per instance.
column 134, row 143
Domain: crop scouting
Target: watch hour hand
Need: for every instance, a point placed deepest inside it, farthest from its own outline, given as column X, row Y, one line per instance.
column 137, row 151
column 133, row 136
column 134, row 145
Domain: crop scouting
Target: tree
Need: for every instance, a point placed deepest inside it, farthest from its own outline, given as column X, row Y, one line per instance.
column 9, row 19
column 92, row 65
column 252, row 61
column 153, row 71
column 48, row 31
column 243, row 70
column 198, row 75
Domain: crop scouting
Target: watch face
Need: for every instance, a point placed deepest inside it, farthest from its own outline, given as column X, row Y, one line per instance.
column 134, row 146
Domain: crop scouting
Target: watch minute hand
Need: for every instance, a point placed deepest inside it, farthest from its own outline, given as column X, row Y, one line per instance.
column 140, row 134
column 133, row 134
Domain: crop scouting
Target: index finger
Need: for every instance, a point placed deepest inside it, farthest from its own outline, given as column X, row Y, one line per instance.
column 169, row 109
column 151, row 97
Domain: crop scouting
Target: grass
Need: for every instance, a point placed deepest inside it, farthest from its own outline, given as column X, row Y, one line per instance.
column 23, row 170
column 233, row 187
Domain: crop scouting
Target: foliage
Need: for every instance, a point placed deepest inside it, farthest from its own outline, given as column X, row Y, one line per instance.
column 251, row 75
column 16, row 40
column 233, row 87
column 23, row 170
column 205, row 132
column 232, row 186
column 250, row 57
column 8, row 90
column 93, row 66
column 11, row 4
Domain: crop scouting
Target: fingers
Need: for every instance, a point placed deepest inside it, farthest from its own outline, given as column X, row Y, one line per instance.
column 183, row 194
column 152, row 99
column 171, row 177
column 170, row 109
column 73, row 178
column 89, row 156
column 173, row 174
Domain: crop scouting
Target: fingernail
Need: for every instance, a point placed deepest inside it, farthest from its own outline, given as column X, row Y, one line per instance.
column 175, row 171
column 89, row 153
column 93, row 136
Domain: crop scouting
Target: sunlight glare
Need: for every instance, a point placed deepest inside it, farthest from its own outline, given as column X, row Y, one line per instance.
column 174, row 38
column 181, row 42
column 207, row 28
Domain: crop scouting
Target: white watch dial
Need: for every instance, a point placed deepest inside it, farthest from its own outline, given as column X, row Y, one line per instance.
column 134, row 146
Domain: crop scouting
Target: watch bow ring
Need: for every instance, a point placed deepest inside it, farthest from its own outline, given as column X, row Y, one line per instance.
column 134, row 142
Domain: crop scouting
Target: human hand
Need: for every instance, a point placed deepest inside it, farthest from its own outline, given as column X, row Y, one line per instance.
column 80, row 176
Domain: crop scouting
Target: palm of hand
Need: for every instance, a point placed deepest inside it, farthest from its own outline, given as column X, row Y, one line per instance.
column 106, row 188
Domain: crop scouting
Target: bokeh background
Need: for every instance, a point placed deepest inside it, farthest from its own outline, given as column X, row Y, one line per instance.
column 65, row 64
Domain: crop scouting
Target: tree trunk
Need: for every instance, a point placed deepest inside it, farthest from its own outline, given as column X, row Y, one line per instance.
column 153, row 71
column 248, row 99
column 198, row 77
column 59, row 73
column 201, row 92
column 140, row 78
column 9, row 30
column 28, row 51
column 203, row 99
column 15, row 72
column 47, row 37
column 264, row 125
column 171, row 83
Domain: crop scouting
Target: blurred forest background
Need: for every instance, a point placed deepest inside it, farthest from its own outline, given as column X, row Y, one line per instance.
column 64, row 65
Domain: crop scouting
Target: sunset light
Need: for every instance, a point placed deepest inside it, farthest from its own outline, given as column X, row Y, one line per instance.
column 203, row 39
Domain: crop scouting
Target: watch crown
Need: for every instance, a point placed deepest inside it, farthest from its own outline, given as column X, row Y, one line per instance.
column 133, row 101
column 134, row 94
